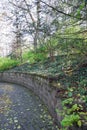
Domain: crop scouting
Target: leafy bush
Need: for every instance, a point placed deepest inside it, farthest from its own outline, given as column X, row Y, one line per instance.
column 73, row 114
column 35, row 56
column 69, row 120
column 7, row 63
column 29, row 56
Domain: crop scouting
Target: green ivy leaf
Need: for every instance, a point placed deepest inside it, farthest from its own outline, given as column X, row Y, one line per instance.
column 70, row 94
column 79, row 123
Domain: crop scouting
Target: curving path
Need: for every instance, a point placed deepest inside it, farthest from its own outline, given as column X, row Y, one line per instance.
column 21, row 109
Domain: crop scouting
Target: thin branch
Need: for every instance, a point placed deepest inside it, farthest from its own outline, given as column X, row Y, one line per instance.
column 70, row 38
column 61, row 12
column 26, row 9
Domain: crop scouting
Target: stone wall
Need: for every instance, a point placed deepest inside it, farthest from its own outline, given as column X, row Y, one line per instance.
column 39, row 85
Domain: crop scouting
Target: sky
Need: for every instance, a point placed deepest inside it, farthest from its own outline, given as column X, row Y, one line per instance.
column 5, row 29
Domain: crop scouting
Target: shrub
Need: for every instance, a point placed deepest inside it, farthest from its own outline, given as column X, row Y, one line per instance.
column 7, row 63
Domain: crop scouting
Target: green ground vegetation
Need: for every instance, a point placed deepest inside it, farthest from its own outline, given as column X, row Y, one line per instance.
column 7, row 63
column 64, row 59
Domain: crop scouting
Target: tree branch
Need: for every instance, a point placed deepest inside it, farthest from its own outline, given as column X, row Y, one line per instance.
column 61, row 12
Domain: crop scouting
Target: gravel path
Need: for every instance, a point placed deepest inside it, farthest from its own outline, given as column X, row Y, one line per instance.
column 21, row 109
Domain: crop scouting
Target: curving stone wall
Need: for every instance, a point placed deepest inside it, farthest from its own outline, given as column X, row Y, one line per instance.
column 39, row 85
